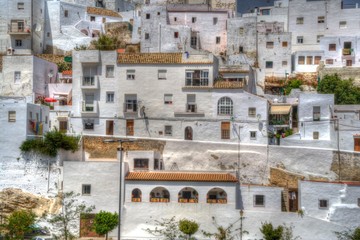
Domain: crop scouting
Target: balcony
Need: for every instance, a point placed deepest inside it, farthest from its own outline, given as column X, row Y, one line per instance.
column 89, row 56
column 346, row 51
column 90, row 82
column 89, row 108
column 221, row 201
column 159, row 199
column 18, row 27
column 188, row 200
column 191, row 110
column 135, row 199
column 130, row 108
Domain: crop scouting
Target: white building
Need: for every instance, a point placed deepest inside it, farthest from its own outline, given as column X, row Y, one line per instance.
column 168, row 95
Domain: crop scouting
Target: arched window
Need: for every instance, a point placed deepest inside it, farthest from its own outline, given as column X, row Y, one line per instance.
column 188, row 133
column 159, row 194
column 225, row 106
column 188, row 195
column 136, row 195
column 216, row 195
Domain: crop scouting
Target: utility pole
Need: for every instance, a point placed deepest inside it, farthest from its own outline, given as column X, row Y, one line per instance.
column 338, row 147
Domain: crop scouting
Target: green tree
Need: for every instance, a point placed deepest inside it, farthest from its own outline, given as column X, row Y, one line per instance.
column 271, row 233
column 349, row 234
column 68, row 218
column 167, row 228
column 344, row 90
column 188, row 227
column 19, row 223
column 105, row 42
column 291, row 84
column 104, row 222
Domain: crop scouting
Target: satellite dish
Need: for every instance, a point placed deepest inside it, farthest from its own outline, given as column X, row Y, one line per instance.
column 258, row 116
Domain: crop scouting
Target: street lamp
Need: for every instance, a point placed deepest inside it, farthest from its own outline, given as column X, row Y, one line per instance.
column 241, row 223
column 120, row 150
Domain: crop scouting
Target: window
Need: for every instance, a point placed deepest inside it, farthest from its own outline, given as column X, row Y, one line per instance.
column 66, row 13
column 130, row 74
column 162, row 74
column 20, row 6
column 110, row 97
column 148, row 16
column 348, row 63
column 252, row 135
column 215, row 20
column 156, row 164
column 317, row 60
column 269, row 44
column 241, row 49
column 158, row 13
column 225, row 106
column 147, row 36
column 37, row 117
column 197, row 78
column 342, row 24
column 301, row 60
column 315, row 135
column 265, row 12
column 358, row 202
column 18, row 42
column 321, row 19
column 141, row 163
column 268, row 64
column 168, row 98
column 300, row 20
column 11, row 116
column 48, row 34
column 318, row 37
column 110, row 71
column 284, row 44
column 130, row 103
column 316, row 113
column 92, row 19
column 252, row 112
column 329, row 61
column 241, row 31
column 309, row 60
column 175, row 19
column 88, row 125
column 332, row 47
column 284, row 63
column 176, row 34
column 193, row 19
column 31, row 116
column 168, row 130
column 17, row 77
column 323, row 203
column 191, row 103
column 46, row 119
column 193, row 41
column 218, row 40
column 86, row 189
column 300, row 39
column 259, row 201
column 225, row 130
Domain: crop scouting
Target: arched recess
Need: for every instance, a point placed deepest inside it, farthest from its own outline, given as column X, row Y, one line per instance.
column 136, row 195
column 188, row 195
column 216, row 195
column 159, row 194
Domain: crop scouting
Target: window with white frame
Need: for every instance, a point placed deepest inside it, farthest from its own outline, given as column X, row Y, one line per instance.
column 11, row 116
column 18, row 42
column 197, row 78
column 130, row 103
column 88, row 124
column 321, row 19
column 342, row 24
column 301, row 60
column 130, row 74
column 284, row 63
column 252, row 112
column 168, row 130
column 259, row 201
column 316, row 113
column 252, row 135
column 300, row 20
column 315, row 135
column 162, row 74
column 269, row 64
column 168, row 98
column 110, row 71
column 191, row 103
column 323, row 203
column 141, row 163
column 300, row 39
column 215, row 20
column 225, row 106
column 20, row 6
column 317, row 60
column 269, row 44
column 17, row 77
column 86, row 189
column 110, row 97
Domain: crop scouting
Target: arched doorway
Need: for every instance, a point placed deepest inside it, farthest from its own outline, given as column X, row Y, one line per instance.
column 188, row 133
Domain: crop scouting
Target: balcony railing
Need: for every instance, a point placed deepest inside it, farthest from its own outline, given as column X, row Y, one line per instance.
column 90, row 82
column 130, row 106
column 188, row 200
column 191, row 110
column 276, row 122
column 89, row 108
column 191, row 107
column 159, row 199
column 136, row 199
column 18, row 27
column 346, row 51
column 222, row 201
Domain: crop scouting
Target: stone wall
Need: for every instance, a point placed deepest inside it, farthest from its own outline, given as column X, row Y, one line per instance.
column 282, row 178
column 349, row 167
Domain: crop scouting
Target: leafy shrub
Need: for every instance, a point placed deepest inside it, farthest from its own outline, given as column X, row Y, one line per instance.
column 291, row 84
column 271, row 233
column 188, row 227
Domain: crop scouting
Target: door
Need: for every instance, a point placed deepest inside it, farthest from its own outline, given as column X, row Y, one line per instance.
column 188, row 133
column 63, row 126
column 293, row 201
column 357, row 144
column 130, row 127
column 109, row 127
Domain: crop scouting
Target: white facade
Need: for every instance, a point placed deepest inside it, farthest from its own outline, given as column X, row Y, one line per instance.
column 271, row 198
column 332, row 201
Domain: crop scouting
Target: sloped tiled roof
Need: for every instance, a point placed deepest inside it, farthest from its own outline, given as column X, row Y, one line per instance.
column 228, row 85
column 67, row 72
column 102, row 12
column 149, row 58
column 181, row 177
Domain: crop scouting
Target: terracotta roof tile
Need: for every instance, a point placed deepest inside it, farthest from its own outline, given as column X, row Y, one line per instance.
column 181, row 177
column 67, row 72
column 149, row 58
column 102, row 12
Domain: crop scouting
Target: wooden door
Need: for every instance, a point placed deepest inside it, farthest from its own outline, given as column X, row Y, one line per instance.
column 130, row 127
column 357, row 144
column 110, row 127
